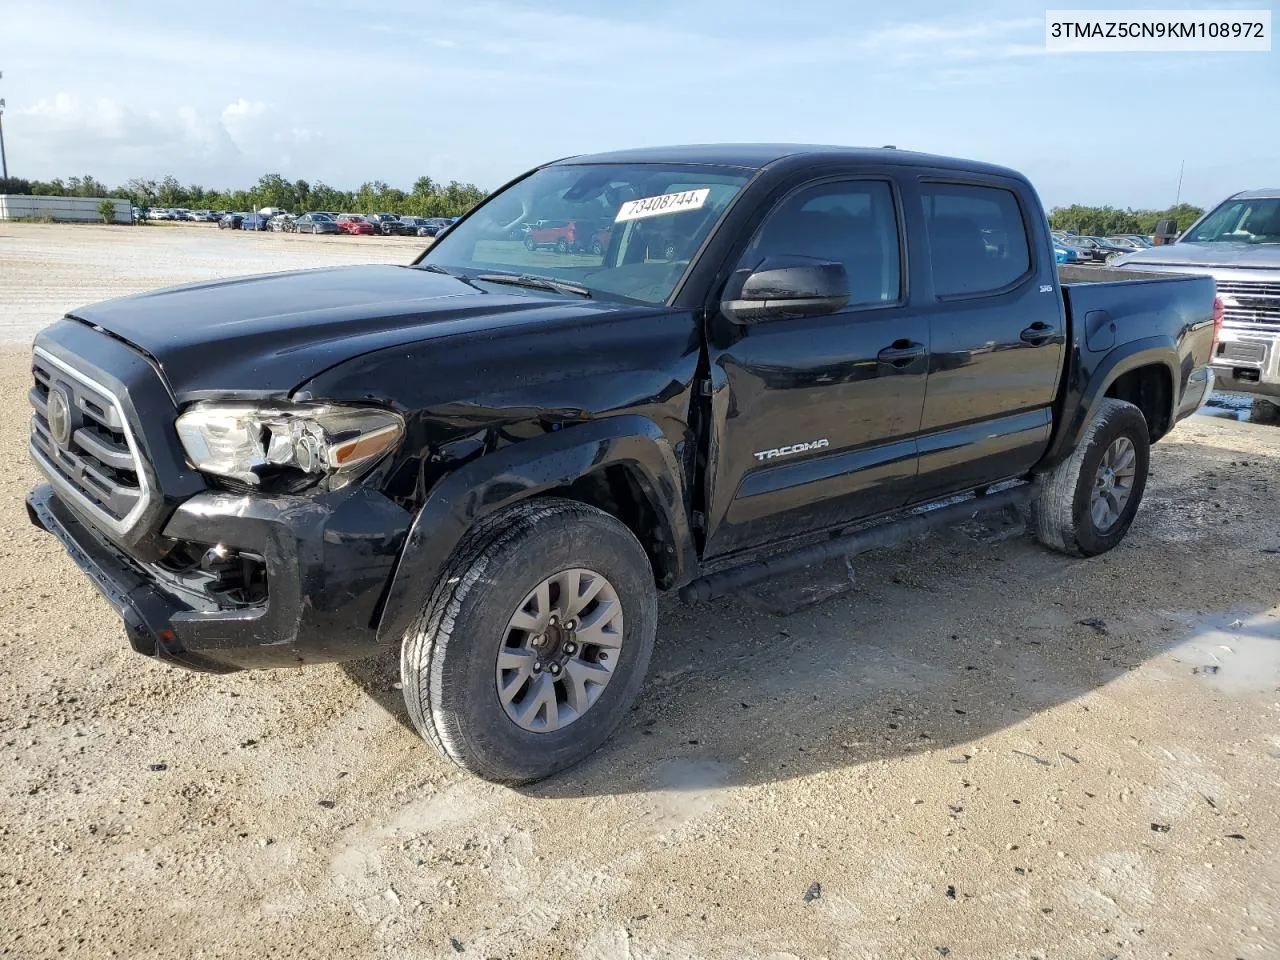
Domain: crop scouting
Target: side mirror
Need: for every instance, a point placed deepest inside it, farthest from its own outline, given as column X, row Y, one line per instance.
column 1166, row 231
column 785, row 287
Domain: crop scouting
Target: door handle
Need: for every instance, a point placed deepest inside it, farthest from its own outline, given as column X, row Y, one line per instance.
column 901, row 353
column 1038, row 334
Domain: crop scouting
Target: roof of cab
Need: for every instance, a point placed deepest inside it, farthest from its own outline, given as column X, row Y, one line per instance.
column 756, row 155
column 1267, row 193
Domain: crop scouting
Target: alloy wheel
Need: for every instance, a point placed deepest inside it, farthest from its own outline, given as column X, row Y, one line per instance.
column 560, row 650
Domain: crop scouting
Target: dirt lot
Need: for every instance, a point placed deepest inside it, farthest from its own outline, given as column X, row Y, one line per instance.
column 982, row 750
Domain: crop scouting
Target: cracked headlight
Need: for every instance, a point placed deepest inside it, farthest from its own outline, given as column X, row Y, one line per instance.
column 249, row 442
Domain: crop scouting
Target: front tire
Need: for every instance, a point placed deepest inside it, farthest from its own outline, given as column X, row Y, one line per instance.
column 477, row 665
column 1087, row 503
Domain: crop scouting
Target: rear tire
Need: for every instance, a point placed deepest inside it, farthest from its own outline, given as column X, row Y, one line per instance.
column 1066, row 515
column 450, row 654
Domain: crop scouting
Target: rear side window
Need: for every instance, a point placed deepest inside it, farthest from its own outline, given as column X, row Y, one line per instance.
column 977, row 240
column 852, row 222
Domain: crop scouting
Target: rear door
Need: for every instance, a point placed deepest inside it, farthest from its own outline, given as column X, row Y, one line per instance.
column 996, row 333
column 815, row 418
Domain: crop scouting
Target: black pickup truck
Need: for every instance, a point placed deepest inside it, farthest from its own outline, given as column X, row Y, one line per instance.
column 494, row 459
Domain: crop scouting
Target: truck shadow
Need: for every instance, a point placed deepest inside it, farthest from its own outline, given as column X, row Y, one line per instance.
column 938, row 643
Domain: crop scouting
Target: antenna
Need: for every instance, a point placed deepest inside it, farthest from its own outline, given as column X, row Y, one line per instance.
column 4, row 164
column 1178, row 199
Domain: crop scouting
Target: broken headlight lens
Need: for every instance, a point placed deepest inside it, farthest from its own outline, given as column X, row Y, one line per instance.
column 248, row 443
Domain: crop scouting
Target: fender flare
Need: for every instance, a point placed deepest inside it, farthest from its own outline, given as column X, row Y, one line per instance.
column 523, row 470
column 1150, row 351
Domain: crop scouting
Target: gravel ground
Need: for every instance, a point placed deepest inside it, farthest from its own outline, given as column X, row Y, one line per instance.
column 48, row 269
column 979, row 750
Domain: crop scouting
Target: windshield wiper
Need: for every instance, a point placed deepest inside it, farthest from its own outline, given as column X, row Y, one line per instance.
column 534, row 282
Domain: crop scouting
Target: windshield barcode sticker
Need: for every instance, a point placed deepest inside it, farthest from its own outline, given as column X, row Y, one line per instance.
column 660, row 205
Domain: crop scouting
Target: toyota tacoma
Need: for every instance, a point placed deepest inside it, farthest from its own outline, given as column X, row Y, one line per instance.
column 492, row 460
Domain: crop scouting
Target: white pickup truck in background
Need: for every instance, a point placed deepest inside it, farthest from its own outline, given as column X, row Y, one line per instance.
column 1238, row 244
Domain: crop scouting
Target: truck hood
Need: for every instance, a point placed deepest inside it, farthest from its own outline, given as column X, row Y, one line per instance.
column 1239, row 256
column 262, row 336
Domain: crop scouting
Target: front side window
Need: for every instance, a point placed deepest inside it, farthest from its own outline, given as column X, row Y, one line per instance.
column 977, row 239
column 851, row 222
column 627, row 230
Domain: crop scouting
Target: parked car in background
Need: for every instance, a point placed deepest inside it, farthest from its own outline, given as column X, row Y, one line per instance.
column 1089, row 249
column 559, row 235
column 230, row 221
column 354, row 224
column 139, row 213
column 1126, row 243
column 598, row 240
column 1110, row 249
column 281, row 223
column 432, row 226
column 160, row 213
column 203, row 216
column 254, row 221
column 384, row 223
column 407, row 226
column 1238, row 244
column 315, row 223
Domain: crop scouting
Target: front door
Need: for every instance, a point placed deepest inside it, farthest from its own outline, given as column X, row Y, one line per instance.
column 814, row 419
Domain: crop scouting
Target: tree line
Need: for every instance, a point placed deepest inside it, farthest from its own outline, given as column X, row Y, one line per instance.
column 427, row 198
column 1111, row 221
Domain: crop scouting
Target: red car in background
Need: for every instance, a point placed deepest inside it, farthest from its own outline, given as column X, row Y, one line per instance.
column 355, row 223
column 600, row 240
column 560, row 234
column 569, row 236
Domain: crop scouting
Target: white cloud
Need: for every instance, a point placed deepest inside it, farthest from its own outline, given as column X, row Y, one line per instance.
column 108, row 136
column 66, row 124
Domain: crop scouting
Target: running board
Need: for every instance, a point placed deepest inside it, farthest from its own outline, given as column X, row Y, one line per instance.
column 887, row 533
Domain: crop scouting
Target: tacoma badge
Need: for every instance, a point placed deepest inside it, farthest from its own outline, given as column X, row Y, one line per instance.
column 793, row 448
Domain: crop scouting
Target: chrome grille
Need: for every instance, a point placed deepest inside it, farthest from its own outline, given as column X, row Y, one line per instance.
column 96, row 464
column 1250, row 303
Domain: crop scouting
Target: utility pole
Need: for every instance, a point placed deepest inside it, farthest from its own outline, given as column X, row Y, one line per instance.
column 1182, row 166
column 4, row 164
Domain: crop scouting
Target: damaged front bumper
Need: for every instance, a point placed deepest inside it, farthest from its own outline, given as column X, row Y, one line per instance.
column 327, row 562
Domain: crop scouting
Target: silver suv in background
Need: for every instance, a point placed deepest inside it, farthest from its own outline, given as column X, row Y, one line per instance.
column 1238, row 244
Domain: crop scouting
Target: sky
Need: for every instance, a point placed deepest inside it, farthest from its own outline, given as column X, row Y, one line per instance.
column 344, row 91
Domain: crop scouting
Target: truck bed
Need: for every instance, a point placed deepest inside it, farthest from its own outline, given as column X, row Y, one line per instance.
column 1073, row 274
column 1098, row 298
column 1110, row 309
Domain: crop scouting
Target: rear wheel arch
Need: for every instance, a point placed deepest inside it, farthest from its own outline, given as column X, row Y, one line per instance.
column 1149, row 388
column 1126, row 370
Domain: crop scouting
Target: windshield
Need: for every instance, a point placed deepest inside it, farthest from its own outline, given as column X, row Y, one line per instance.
column 1239, row 221
column 624, row 229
